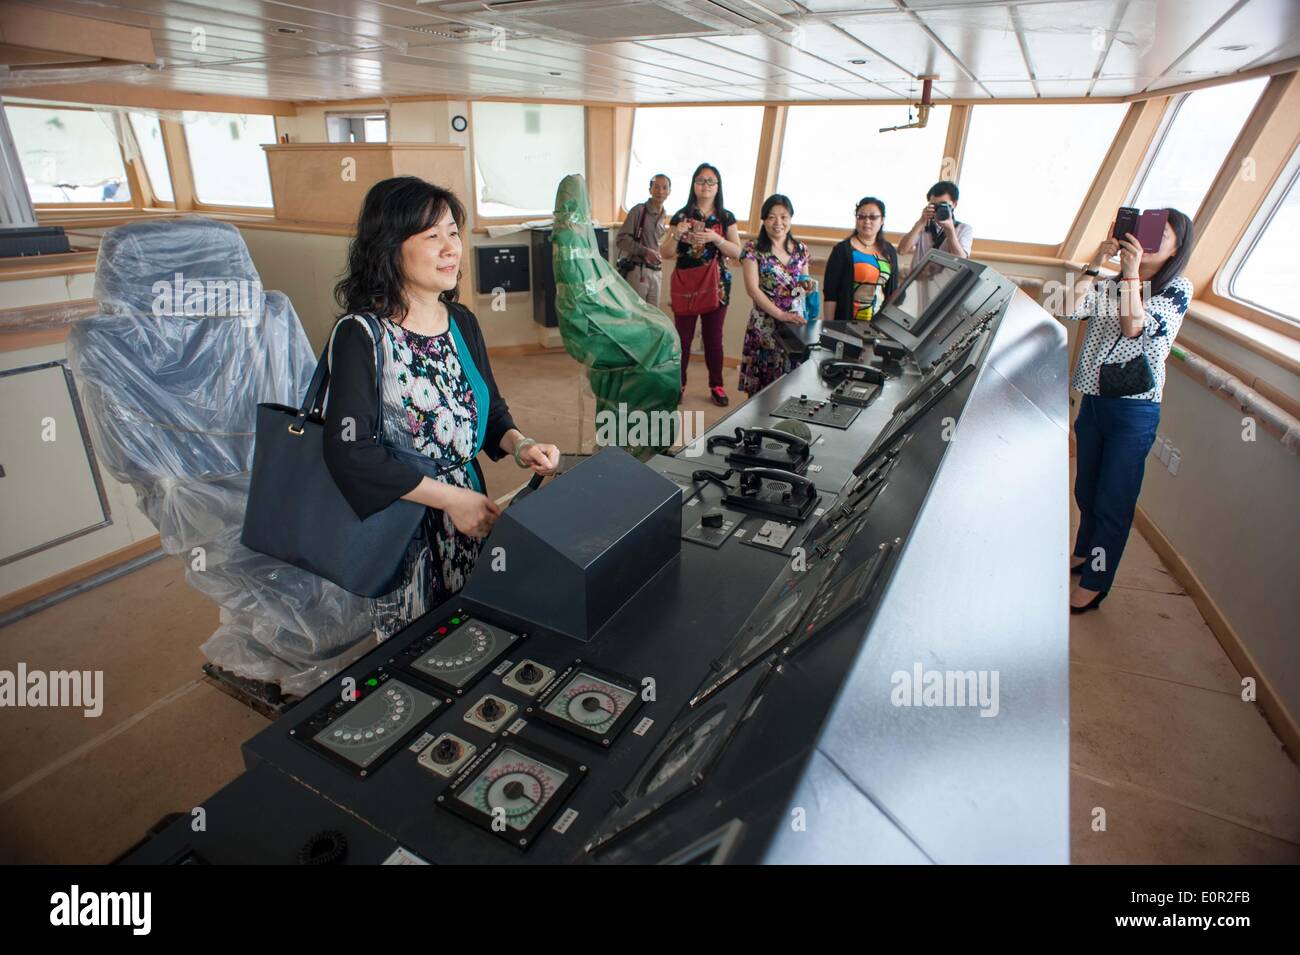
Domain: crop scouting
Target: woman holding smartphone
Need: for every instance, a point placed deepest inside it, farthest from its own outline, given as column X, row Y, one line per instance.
column 700, row 234
column 439, row 398
column 1121, row 373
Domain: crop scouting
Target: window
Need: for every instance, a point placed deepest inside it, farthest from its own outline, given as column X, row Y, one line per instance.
column 521, row 152
column 69, row 155
column 148, row 136
column 1026, row 169
column 1263, row 270
column 1192, row 145
column 835, row 155
column 227, row 160
column 356, row 127
column 675, row 139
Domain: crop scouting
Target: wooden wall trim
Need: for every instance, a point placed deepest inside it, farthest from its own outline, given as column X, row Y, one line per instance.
column 75, row 575
column 1270, row 703
column 954, row 143
column 1262, row 149
column 149, row 97
column 767, row 164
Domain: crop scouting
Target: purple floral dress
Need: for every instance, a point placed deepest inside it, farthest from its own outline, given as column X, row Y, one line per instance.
column 429, row 407
column 763, row 359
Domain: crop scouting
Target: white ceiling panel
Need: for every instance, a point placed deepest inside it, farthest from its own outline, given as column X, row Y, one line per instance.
column 666, row 50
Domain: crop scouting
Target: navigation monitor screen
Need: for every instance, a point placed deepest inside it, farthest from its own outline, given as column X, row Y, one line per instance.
column 923, row 287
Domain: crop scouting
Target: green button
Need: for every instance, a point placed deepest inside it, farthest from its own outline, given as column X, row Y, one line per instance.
column 372, row 682
column 455, row 621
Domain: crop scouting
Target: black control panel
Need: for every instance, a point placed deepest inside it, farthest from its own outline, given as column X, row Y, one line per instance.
column 678, row 730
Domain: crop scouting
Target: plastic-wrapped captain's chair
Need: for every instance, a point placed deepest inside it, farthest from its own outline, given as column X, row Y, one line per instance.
column 172, row 369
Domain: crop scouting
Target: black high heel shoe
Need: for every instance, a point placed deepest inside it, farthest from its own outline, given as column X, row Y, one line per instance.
column 1092, row 604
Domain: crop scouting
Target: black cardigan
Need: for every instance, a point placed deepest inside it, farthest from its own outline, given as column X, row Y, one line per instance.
column 370, row 475
column 837, row 284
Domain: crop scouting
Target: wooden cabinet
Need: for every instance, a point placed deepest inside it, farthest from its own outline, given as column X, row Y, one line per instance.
column 326, row 182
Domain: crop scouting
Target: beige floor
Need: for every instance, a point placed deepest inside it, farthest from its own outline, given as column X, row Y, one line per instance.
column 1160, row 740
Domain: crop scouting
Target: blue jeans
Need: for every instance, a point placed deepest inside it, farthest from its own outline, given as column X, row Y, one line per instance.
column 1112, row 439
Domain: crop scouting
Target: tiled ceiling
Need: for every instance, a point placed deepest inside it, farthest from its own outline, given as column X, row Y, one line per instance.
column 639, row 51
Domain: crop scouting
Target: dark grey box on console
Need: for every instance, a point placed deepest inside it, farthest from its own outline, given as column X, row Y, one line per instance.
column 577, row 549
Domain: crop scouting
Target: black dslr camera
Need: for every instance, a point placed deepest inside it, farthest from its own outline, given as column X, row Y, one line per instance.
column 942, row 211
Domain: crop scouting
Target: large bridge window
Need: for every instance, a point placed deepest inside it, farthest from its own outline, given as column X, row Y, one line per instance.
column 1262, row 272
column 1026, row 168
column 675, row 139
column 832, row 156
column 1192, row 144
column 227, row 159
column 521, row 152
column 69, row 155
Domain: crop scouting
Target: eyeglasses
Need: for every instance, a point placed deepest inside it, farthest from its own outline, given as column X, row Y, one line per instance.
column 871, row 218
column 706, row 182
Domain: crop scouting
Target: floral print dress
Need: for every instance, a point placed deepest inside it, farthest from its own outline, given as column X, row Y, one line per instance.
column 429, row 407
column 764, row 360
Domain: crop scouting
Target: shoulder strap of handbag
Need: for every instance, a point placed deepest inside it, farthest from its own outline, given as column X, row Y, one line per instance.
column 1119, row 338
column 313, row 402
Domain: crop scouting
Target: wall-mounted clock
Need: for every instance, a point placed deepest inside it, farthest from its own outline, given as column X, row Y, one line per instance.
column 459, row 123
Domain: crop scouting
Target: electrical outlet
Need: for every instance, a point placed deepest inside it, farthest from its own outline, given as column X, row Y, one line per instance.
column 1165, row 448
column 1175, row 458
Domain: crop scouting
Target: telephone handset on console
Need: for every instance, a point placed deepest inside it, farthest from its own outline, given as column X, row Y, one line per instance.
column 833, row 370
column 752, row 439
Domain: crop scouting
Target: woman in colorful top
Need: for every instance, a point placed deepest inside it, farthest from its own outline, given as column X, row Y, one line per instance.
column 862, row 271
column 439, row 396
column 1114, row 433
column 699, row 232
column 773, row 263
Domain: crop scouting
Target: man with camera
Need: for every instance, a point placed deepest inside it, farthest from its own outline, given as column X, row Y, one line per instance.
column 639, row 261
column 938, row 227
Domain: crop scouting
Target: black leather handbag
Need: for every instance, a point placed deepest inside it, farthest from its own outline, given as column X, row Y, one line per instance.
column 297, row 513
column 1132, row 377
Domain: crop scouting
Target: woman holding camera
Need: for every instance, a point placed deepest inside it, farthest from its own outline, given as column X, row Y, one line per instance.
column 701, row 236
column 862, row 271
column 1121, row 373
column 439, row 398
column 775, row 264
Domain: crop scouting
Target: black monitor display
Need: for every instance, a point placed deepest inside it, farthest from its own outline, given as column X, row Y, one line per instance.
column 925, row 286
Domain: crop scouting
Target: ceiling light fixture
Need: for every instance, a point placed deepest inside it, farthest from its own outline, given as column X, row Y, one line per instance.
column 1235, row 47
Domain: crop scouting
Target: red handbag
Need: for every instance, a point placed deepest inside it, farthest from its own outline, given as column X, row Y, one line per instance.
column 698, row 289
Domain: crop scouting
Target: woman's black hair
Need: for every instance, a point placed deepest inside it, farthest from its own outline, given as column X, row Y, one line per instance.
column 1173, row 268
column 719, row 209
column 393, row 211
column 763, row 243
column 871, row 201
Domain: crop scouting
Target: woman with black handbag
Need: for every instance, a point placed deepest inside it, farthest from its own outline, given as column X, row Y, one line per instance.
column 439, row 399
column 1132, row 324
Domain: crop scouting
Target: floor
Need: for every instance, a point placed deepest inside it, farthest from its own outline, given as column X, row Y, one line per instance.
column 1184, row 771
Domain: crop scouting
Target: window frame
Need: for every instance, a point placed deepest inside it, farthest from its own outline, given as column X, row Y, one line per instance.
column 480, row 221
column 1221, row 291
column 128, row 170
column 198, row 205
column 146, row 180
column 1045, row 250
column 362, row 114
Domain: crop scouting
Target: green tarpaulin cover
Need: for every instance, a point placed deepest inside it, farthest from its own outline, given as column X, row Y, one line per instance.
column 630, row 348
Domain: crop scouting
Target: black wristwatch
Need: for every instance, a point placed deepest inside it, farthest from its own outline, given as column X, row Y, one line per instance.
column 1093, row 272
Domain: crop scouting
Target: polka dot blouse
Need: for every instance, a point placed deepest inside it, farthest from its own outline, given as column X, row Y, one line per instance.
column 1104, row 342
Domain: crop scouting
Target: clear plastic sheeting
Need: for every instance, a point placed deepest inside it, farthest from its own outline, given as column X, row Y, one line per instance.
column 171, row 371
